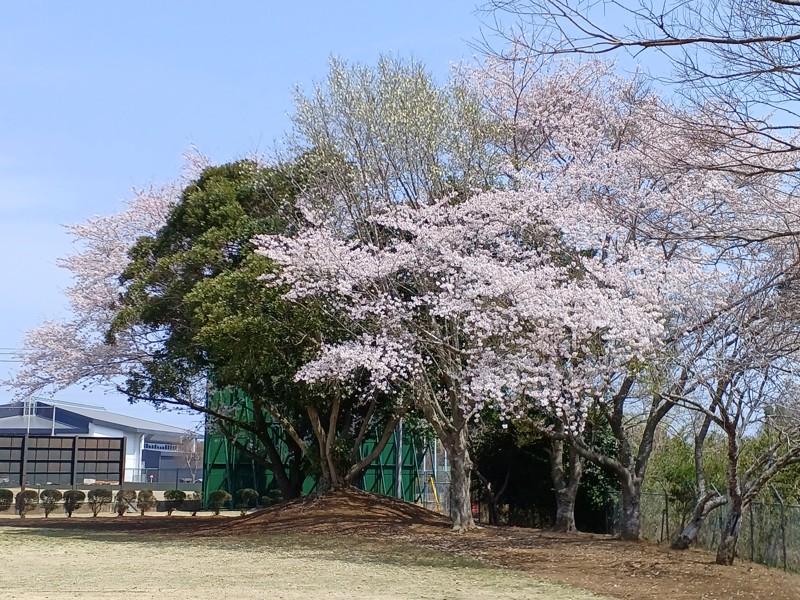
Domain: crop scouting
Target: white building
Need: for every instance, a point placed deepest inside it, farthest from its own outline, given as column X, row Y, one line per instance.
column 153, row 452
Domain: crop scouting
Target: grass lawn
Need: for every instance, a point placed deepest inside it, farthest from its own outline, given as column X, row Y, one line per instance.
column 43, row 564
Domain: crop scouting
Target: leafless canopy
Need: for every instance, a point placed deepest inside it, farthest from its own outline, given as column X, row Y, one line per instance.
column 741, row 55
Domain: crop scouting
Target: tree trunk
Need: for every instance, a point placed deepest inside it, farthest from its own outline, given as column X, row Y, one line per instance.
column 704, row 507
column 565, row 481
column 726, row 553
column 330, row 478
column 457, row 446
column 492, row 497
column 494, row 512
column 707, row 501
column 631, row 510
column 358, row 467
column 565, row 511
column 460, row 484
column 453, row 433
column 297, row 471
column 278, row 467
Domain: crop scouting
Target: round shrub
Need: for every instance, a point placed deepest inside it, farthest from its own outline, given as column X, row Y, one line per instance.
column 73, row 500
column 145, row 501
column 6, row 499
column 26, row 502
column 49, row 499
column 217, row 499
column 123, row 501
column 174, row 498
column 248, row 498
column 98, row 498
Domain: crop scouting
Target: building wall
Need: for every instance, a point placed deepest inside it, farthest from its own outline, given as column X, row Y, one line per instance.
column 72, row 423
column 134, row 444
column 103, row 431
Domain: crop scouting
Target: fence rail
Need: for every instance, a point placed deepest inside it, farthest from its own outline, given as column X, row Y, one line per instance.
column 164, row 476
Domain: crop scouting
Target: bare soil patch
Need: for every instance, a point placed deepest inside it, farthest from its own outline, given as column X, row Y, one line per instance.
column 601, row 564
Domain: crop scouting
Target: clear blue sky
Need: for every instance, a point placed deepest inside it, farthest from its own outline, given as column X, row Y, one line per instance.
column 99, row 97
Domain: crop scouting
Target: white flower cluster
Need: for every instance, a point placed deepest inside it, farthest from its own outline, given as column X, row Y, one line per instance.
column 539, row 294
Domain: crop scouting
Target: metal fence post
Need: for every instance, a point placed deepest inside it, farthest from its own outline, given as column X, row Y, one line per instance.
column 783, row 522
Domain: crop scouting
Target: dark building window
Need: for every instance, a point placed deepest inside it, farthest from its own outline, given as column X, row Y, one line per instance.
column 99, row 459
column 60, row 460
column 10, row 459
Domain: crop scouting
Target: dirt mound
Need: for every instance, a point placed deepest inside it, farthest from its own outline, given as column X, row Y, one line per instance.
column 342, row 512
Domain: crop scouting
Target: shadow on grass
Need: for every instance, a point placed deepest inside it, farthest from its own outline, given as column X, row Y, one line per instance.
column 332, row 548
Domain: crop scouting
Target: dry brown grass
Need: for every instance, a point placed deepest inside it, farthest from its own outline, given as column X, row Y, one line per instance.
column 410, row 553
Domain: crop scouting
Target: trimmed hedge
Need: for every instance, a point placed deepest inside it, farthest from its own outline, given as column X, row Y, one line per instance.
column 248, row 498
column 123, row 501
column 49, row 499
column 217, row 500
column 174, row 499
column 6, row 499
column 99, row 498
column 145, row 501
column 73, row 500
column 26, row 502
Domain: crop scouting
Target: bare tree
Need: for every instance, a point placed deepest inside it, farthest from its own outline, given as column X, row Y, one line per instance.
column 740, row 58
column 191, row 447
column 745, row 385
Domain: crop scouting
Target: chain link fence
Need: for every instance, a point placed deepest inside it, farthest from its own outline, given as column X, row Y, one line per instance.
column 770, row 532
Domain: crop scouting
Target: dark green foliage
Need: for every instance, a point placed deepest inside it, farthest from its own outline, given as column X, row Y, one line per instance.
column 248, row 498
column 174, row 498
column 514, row 458
column 98, row 498
column 73, row 500
column 6, row 499
column 598, row 494
column 217, row 500
column 273, row 497
column 49, row 499
column 145, row 501
column 123, row 501
column 27, row 502
column 197, row 284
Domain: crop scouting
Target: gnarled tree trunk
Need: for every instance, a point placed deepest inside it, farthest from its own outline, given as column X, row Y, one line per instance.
column 705, row 506
column 726, row 553
column 335, row 472
column 708, row 501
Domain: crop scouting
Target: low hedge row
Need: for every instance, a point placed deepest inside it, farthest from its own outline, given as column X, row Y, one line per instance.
column 97, row 499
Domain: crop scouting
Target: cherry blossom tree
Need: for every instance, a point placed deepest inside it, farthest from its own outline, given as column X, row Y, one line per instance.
column 59, row 354
column 506, row 299
column 739, row 227
column 561, row 286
